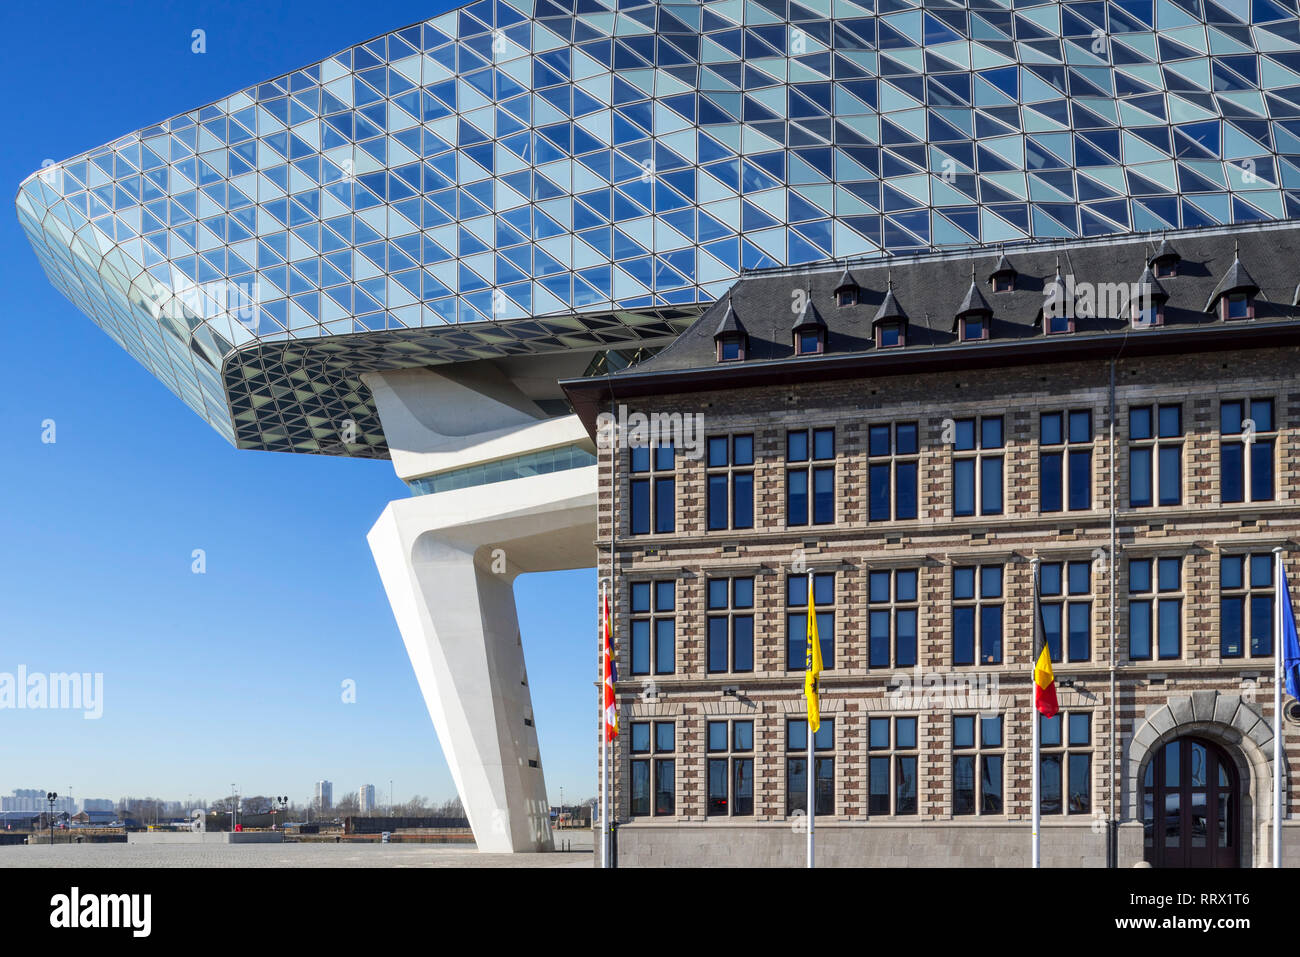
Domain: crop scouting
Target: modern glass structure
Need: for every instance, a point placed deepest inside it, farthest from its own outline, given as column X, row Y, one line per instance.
column 531, row 188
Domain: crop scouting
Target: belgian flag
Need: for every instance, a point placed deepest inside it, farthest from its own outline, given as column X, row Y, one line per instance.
column 1044, row 679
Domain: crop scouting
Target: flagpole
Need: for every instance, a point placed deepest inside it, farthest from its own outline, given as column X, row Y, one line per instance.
column 604, row 730
column 812, row 806
column 1278, row 592
column 1034, row 813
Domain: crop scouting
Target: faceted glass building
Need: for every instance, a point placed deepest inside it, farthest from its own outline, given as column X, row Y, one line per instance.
column 530, row 176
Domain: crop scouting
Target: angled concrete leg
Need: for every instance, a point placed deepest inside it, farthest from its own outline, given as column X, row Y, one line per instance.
column 448, row 562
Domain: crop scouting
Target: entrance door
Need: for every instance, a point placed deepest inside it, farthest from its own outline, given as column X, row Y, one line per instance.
column 1190, row 803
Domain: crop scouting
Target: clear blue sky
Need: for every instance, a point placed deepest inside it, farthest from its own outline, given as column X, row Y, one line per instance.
column 234, row 675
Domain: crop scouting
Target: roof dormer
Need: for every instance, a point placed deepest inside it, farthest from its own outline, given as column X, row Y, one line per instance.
column 1234, row 297
column 809, row 330
column 847, row 290
column 1163, row 263
column 730, row 337
column 1148, row 306
column 971, row 321
column 1003, row 276
column 890, row 322
column 1057, row 313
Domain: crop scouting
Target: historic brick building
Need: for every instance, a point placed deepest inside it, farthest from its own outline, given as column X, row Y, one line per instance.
column 916, row 433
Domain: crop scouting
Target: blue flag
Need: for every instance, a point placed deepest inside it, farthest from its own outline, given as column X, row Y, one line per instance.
column 1290, row 649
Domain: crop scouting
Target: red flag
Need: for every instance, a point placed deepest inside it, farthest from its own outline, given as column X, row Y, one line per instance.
column 611, row 710
column 1044, row 679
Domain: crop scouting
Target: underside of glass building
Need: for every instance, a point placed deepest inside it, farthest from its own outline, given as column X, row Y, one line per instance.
column 398, row 251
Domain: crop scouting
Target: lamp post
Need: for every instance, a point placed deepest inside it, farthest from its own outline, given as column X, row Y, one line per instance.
column 234, row 805
column 282, row 805
column 51, row 797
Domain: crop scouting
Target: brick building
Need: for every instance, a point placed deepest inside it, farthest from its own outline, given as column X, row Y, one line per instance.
column 916, row 433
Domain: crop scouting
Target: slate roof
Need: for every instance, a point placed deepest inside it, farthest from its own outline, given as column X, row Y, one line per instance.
column 931, row 286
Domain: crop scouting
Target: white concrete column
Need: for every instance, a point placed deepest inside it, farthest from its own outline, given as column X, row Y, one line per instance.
column 448, row 562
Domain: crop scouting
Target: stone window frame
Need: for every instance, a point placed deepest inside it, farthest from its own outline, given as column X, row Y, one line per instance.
column 893, row 459
column 892, row 606
column 652, row 474
column 730, row 755
column 1065, row 750
column 1246, row 593
column 1066, row 449
column 1065, row 597
column 978, row 750
column 730, row 612
column 1154, row 596
column 792, row 611
column 652, row 614
column 979, row 601
column 810, row 467
column 1271, row 435
column 821, row 753
column 893, row 754
column 653, row 760
column 1157, row 442
column 730, row 470
column 977, row 454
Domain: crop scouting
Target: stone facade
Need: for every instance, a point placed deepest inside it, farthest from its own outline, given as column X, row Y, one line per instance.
column 1136, row 705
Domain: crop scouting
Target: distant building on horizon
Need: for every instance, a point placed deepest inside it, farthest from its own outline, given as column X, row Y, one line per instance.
column 33, row 800
column 366, row 798
column 324, row 794
column 90, row 805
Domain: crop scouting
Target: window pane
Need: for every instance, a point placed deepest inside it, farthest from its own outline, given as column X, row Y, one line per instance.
column 963, row 731
column 796, row 735
column 1231, row 571
column 665, row 502
column 1230, row 416
column 965, row 437
column 824, row 738
column 878, row 440
column 824, row 589
column 963, row 638
column 1261, row 412
column 1171, row 625
column 1080, row 574
column 991, row 635
column 640, row 797
column 665, row 787
column 717, row 803
column 878, row 786
column 1139, row 629
column 717, row 451
column 1231, row 627
column 641, row 647
column 963, row 583
column 878, row 655
column 665, row 733
column 1049, row 578
column 743, row 734
column 743, row 640
column 743, row 592
column 1049, row 778
column 640, row 520
column 905, row 731
column 639, row 457
column 796, row 641
column 717, row 735
column 796, row 590
column 796, row 503
column 879, row 493
column 640, row 596
column 905, row 495
column 664, row 646
column 823, row 496
column 963, row 491
column 1261, row 571
column 963, row 784
column 879, row 586
column 991, row 486
column 1261, row 471
column 991, row 432
column 742, row 505
column 1050, row 487
column 743, row 772
column 664, row 457
column 1171, row 475
column 717, row 501
column 1080, row 480
column 905, row 640
column 1081, row 426
column 1261, row 625
column 991, row 581
column 742, row 450
column 796, row 446
column 717, row 644
column 1080, row 631
column 1052, row 626
column 1139, row 422
column 905, row 585
column 796, row 785
column 1232, row 472
column 991, row 784
column 1080, row 729
column 1049, row 730
column 1171, row 421
column 640, row 738
column 718, row 592
column 905, row 788
column 1139, row 575
column 1080, row 783
column 1049, row 428
column 906, row 437
column 878, row 732
column 665, row 596
column 1139, row 478
column 824, row 443
column 1170, row 573
column 991, row 732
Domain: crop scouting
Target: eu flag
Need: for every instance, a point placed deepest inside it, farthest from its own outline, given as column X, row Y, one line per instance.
column 1290, row 643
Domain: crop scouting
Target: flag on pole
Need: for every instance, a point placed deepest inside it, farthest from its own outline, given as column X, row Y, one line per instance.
column 611, row 675
column 1044, row 679
column 1290, row 649
column 812, row 665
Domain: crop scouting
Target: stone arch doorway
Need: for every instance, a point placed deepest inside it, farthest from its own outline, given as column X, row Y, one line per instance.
column 1191, row 806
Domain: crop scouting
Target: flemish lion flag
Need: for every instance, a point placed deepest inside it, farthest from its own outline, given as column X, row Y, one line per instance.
column 813, row 667
column 1044, row 679
column 611, row 675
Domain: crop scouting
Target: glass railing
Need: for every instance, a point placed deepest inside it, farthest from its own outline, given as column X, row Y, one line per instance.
column 503, row 470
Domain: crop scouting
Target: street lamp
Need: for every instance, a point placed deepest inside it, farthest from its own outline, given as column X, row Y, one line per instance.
column 51, row 797
column 281, row 804
column 234, row 805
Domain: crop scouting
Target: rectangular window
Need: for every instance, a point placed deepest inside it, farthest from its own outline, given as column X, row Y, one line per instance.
column 977, row 466
column 730, row 482
column 977, row 615
column 892, row 765
column 796, row 766
column 796, row 606
column 1247, row 450
column 893, row 461
column 653, row 499
column 1065, row 460
column 891, row 618
column 1155, row 455
column 1246, row 595
column 653, row 627
column 1155, row 608
column 978, row 753
column 1065, row 763
column 731, row 768
column 653, row 790
column 731, row 624
column 1066, row 590
column 810, row 488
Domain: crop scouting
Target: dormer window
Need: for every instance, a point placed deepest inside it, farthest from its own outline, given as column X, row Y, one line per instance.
column 1148, row 306
column 890, row 322
column 1164, row 261
column 1233, row 299
column 890, row 335
column 1238, row 305
column 1057, row 314
column 1003, row 276
column 974, row 328
column 846, row 290
column 730, row 337
column 1059, row 325
column 809, row 342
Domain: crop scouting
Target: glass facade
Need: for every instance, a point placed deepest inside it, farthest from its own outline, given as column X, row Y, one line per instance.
column 503, row 470
column 546, row 175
